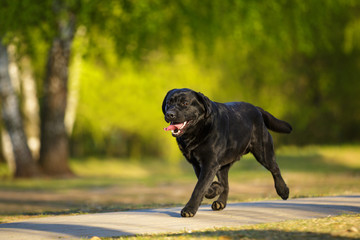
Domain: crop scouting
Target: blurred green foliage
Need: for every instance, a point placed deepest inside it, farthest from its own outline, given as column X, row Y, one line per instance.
column 300, row 60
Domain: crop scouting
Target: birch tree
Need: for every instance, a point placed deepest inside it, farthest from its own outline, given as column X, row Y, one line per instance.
column 24, row 163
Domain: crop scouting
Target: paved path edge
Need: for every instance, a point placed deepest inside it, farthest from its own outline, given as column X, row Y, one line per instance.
column 168, row 220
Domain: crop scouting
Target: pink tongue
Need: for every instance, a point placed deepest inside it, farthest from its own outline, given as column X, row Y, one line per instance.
column 174, row 126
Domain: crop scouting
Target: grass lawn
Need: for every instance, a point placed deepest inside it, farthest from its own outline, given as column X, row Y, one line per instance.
column 119, row 184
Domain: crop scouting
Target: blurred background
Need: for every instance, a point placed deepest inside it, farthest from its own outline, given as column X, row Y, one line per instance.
column 83, row 81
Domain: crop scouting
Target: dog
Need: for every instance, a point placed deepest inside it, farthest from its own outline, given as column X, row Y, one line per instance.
column 212, row 136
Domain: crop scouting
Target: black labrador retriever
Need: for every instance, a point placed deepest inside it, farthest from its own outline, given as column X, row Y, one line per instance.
column 212, row 136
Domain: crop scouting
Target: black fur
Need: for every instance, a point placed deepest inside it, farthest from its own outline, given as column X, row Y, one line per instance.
column 218, row 134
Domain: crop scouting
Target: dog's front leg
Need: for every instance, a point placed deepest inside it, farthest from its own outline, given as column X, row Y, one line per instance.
column 206, row 177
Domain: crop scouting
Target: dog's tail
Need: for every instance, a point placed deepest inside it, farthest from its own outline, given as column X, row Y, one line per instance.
column 274, row 124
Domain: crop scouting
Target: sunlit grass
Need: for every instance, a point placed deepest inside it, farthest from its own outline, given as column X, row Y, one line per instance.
column 345, row 156
column 109, row 168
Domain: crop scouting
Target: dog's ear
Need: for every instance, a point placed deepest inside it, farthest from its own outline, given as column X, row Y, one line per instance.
column 165, row 99
column 206, row 102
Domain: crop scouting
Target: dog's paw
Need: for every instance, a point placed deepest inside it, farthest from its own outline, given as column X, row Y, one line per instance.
column 283, row 192
column 214, row 190
column 218, row 205
column 187, row 212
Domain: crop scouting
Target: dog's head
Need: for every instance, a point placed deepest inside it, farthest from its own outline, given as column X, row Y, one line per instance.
column 183, row 109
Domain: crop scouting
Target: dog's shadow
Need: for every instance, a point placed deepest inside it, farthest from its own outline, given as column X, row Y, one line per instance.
column 175, row 213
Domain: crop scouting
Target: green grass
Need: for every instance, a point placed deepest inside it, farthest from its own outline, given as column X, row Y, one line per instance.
column 121, row 184
column 343, row 227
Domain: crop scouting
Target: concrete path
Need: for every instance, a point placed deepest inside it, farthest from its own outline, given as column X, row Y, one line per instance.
column 167, row 220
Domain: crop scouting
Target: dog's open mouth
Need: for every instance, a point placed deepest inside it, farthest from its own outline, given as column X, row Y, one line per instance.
column 177, row 128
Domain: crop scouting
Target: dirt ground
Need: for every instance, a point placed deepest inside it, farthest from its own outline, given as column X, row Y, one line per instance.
column 13, row 202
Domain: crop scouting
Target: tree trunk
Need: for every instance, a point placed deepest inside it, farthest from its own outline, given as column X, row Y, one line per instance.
column 24, row 164
column 2, row 157
column 30, row 107
column 54, row 149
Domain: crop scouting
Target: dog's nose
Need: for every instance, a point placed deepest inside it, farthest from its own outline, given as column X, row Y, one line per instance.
column 170, row 115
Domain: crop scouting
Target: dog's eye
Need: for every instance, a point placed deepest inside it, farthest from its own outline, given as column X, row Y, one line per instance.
column 185, row 103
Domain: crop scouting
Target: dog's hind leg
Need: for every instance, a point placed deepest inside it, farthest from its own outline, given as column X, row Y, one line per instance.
column 263, row 150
